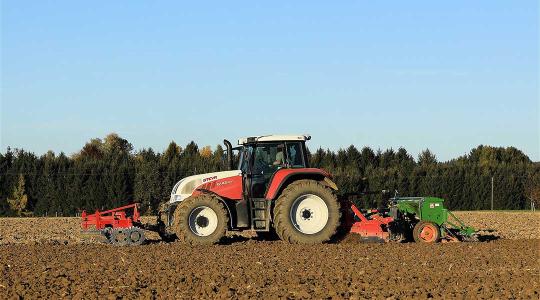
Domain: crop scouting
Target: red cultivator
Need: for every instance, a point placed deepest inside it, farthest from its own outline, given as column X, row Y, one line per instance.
column 120, row 226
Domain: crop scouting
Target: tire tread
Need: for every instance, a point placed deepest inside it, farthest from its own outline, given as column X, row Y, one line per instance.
column 287, row 233
column 183, row 210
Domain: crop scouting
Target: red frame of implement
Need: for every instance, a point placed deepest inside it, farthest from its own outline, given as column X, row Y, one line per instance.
column 115, row 218
column 373, row 227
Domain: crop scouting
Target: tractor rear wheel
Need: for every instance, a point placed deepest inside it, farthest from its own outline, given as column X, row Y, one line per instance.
column 426, row 232
column 200, row 220
column 307, row 212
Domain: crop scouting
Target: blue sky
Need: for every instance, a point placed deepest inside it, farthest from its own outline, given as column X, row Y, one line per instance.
column 444, row 75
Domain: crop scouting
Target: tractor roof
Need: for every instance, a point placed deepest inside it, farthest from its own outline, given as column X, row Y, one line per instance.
column 273, row 138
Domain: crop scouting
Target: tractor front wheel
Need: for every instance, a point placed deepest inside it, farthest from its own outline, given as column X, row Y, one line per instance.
column 426, row 232
column 307, row 212
column 200, row 220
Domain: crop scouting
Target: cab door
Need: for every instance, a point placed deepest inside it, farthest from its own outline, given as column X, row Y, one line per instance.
column 242, row 207
column 267, row 159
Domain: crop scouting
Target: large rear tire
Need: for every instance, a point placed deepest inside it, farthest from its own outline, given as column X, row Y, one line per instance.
column 307, row 213
column 200, row 220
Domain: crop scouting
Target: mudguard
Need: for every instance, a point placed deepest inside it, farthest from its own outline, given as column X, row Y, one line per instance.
column 285, row 176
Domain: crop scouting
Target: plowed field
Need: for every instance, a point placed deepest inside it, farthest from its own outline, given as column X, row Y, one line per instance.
column 49, row 258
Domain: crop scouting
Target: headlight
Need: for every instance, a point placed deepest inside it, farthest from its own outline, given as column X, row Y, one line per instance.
column 175, row 198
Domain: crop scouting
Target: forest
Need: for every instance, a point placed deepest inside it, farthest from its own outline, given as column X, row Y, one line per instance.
column 107, row 173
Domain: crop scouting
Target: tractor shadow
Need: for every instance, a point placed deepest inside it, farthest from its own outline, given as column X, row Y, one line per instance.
column 228, row 240
column 487, row 235
column 233, row 239
column 487, row 238
column 154, row 242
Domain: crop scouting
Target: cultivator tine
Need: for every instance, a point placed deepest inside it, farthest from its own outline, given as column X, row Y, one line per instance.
column 450, row 236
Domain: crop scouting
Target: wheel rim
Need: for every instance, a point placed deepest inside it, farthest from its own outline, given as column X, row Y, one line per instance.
column 203, row 221
column 309, row 214
column 428, row 233
column 107, row 232
column 135, row 236
column 120, row 236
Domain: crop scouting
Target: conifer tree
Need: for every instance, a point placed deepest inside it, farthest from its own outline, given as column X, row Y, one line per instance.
column 19, row 200
column 106, row 173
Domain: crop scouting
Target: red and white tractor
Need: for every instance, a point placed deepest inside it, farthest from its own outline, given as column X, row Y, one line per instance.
column 272, row 191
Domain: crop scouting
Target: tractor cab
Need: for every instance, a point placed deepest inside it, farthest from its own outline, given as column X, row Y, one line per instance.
column 261, row 157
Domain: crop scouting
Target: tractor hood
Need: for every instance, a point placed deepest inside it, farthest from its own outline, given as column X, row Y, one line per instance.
column 185, row 187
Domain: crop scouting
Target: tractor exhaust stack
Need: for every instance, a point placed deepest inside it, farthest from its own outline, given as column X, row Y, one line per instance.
column 228, row 145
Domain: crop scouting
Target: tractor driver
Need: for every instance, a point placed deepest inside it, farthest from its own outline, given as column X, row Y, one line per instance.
column 280, row 158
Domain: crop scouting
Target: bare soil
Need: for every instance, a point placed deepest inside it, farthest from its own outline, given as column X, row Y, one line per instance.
column 507, row 225
column 49, row 258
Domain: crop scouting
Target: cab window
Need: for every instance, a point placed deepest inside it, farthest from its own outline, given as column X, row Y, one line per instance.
column 245, row 155
column 295, row 156
column 268, row 158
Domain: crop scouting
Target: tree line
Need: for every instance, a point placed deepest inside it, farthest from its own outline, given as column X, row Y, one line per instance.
column 107, row 173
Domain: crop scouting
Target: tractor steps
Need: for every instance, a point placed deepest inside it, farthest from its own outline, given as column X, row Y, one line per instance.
column 260, row 214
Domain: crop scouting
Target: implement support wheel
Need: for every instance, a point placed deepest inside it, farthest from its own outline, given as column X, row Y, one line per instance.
column 120, row 237
column 136, row 236
column 426, row 232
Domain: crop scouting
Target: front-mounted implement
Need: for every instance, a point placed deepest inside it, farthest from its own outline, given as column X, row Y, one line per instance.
column 120, row 226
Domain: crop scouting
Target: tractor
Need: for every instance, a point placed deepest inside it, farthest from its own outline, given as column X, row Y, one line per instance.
column 270, row 188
